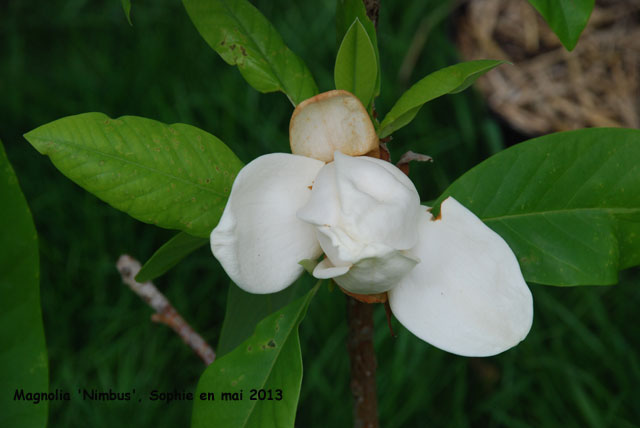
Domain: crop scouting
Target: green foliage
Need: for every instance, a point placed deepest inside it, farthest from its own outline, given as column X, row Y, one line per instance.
column 449, row 80
column 126, row 6
column 567, row 18
column 356, row 69
column 568, row 204
column 347, row 11
column 174, row 176
column 269, row 360
column 245, row 310
column 169, row 255
column 23, row 354
column 242, row 36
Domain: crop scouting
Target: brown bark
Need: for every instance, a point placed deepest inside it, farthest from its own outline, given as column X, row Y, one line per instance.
column 363, row 364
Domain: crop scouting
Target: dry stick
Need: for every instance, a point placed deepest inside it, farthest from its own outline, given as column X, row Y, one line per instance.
column 362, row 354
column 165, row 312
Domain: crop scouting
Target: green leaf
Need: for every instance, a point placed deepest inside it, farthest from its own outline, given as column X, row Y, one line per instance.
column 244, row 311
column 356, row 69
column 167, row 256
column 174, row 176
column 567, row 18
column 126, row 6
column 23, row 354
column 348, row 11
column 269, row 360
column 449, row 80
column 242, row 36
column 568, row 204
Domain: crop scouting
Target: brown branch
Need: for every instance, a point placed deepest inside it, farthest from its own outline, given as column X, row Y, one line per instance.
column 165, row 312
column 363, row 364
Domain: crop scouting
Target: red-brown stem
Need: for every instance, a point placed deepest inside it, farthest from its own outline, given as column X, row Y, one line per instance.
column 165, row 312
column 363, row 364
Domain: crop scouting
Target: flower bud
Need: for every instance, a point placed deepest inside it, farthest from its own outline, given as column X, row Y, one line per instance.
column 366, row 213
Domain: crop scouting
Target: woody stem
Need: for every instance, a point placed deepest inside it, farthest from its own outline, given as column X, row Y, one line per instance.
column 363, row 364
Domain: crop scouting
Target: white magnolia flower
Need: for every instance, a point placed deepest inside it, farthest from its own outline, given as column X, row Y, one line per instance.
column 451, row 280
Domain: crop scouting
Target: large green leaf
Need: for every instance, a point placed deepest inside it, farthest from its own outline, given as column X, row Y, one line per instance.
column 449, row 80
column 242, row 36
column 567, row 18
column 245, row 310
column 348, row 11
column 356, row 68
column 269, row 360
column 23, row 353
column 174, row 176
column 167, row 256
column 568, row 204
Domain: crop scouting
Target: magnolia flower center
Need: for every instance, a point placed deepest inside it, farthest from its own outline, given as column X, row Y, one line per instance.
column 365, row 211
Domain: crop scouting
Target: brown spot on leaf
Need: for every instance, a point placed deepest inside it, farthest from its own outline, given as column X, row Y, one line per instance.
column 244, row 52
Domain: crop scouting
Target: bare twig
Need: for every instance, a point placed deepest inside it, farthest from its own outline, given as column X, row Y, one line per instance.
column 363, row 364
column 165, row 312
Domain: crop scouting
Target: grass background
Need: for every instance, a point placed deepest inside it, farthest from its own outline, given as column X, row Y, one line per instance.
column 579, row 366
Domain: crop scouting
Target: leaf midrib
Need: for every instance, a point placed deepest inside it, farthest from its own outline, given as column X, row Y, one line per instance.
column 127, row 161
column 614, row 210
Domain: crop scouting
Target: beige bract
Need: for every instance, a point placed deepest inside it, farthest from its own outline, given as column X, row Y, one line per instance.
column 451, row 281
column 329, row 122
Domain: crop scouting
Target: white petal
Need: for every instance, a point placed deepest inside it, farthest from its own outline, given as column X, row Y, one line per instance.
column 379, row 203
column 259, row 240
column 334, row 120
column 323, row 208
column 467, row 295
column 371, row 275
column 325, row 270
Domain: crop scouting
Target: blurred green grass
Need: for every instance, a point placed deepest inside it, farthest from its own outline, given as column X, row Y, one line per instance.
column 579, row 367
